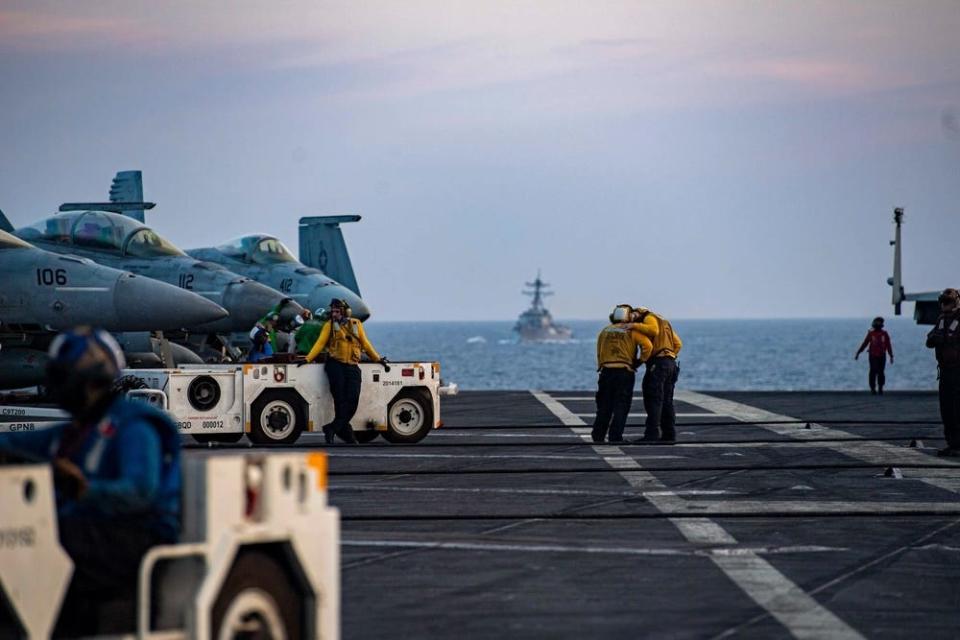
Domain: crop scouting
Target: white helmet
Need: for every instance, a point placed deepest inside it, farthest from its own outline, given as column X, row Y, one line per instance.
column 621, row 313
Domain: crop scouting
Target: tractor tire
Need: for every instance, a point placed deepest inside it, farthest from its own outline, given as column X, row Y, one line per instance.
column 409, row 416
column 277, row 416
column 257, row 600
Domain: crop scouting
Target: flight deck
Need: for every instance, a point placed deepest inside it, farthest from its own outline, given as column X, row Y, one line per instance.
column 776, row 515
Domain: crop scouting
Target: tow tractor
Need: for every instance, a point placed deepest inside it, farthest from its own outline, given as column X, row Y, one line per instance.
column 274, row 402
column 259, row 556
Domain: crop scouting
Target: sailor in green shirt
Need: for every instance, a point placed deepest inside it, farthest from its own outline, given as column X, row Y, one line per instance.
column 306, row 333
column 274, row 322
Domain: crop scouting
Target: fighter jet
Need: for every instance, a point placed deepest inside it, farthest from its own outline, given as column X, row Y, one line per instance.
column 327, row 273
column 115, row 240
column 44, row 292
column 266, row 259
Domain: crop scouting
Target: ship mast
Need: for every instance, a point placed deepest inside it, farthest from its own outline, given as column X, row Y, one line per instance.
column 538, row 293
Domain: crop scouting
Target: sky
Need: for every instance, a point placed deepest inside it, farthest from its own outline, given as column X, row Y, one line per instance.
column 704, row 159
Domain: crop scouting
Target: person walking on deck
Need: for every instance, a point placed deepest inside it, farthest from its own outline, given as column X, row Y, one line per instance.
column 879, row 345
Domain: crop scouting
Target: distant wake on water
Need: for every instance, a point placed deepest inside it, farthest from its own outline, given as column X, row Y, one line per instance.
column 747, row 355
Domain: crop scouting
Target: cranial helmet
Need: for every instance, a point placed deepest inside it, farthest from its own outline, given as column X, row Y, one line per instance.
column 87, row 352
column 949, row 296
column 81, row 360
column 621, row 313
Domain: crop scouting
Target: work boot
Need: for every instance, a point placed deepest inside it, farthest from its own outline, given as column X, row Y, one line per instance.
column 346, row 434
column 328, row 433
column 615, row 439
column 597, row 436
column 650, row 437
column 668, row 437
column 949, row 452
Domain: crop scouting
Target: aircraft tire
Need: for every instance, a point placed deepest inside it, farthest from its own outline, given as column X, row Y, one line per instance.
column 258, row 599
column 409, row 416
column 277, row 416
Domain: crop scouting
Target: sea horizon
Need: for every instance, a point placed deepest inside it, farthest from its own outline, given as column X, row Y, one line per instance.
column 798, row 354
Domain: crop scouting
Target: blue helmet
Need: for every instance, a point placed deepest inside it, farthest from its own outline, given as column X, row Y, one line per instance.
column 86, row 354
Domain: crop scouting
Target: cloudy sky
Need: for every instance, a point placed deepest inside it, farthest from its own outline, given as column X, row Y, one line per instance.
column 707, row 159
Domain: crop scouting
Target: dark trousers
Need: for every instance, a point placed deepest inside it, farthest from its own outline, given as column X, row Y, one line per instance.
column 950, row 405
column 658, row 383
column 614, row 397
column 106, row 555
column 877, row 378
column 345, row 388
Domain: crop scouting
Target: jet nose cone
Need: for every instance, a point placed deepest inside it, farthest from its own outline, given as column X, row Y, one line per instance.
column 324, row 294
column 248, row 301
column 144, row 304
column 359, row 308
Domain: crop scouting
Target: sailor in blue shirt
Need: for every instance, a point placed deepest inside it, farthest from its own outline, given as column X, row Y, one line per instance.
column 116, row 469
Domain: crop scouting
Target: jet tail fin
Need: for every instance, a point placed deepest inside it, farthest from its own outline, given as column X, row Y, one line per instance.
column 322, row 247
column 5, row 224
column 127, row 187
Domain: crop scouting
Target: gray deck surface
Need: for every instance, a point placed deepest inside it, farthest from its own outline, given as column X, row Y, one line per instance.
column 506, row 523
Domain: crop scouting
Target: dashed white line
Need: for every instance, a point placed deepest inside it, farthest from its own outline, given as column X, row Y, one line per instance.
column 802, row 615
column 534, row 492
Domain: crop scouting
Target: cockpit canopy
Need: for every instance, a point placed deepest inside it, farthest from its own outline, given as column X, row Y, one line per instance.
column 257, row 249
column 101, row 231
column 10, row 241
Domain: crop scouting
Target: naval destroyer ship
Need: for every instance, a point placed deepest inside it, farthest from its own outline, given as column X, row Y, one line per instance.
column 536, row 324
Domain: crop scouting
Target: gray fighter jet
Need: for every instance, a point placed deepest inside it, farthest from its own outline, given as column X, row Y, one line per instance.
column 328, row 272
column 267, row 260
column 115, row 240
column 44, row 292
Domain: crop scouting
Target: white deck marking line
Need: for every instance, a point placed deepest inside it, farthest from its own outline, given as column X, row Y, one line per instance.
column 721, row 552
column 449, row 434
column 874, row 452
column 532, row 492
column 643, row 415
column 584, row 398
column 760, row 507
column 797, row 611
column 471, row 456
column 679, row 445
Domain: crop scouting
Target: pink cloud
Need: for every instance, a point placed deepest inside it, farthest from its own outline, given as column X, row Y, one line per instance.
column 49, row 31
column 831, row 75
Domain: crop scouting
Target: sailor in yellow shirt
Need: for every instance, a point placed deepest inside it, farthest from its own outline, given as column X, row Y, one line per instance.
column 661, row 376
column 344, row 339
column 617, row 359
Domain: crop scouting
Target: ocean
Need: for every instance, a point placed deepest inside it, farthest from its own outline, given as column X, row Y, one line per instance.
column 741, row 355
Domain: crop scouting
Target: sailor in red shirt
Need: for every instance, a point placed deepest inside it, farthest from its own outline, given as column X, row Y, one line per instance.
column 879, row 342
